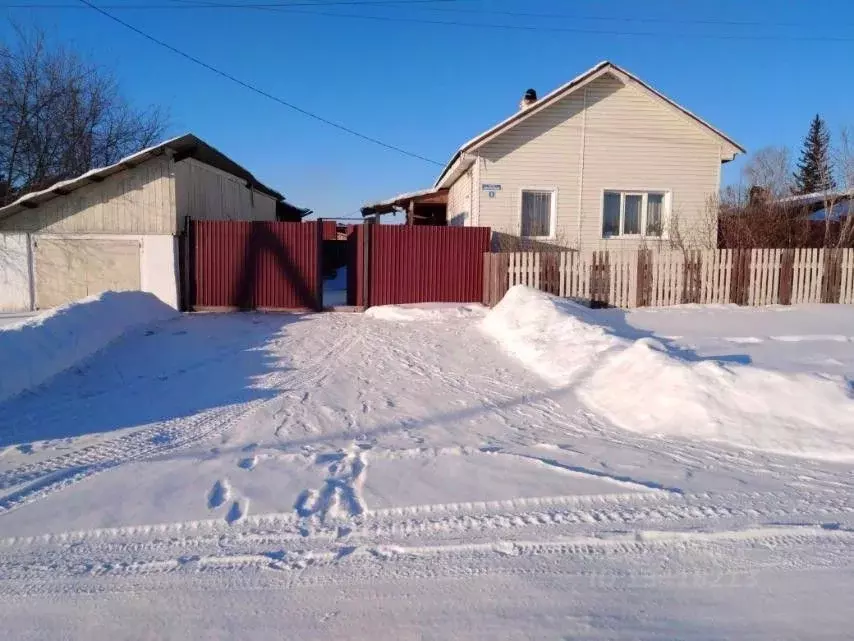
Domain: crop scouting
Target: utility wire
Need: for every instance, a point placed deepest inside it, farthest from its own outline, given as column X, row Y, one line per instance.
column 288, row 7
column 238, row 5
column 257, row 90
column 550, row 28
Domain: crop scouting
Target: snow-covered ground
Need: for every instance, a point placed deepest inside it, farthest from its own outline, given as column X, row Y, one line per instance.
column 413, row 473
column 335, row 289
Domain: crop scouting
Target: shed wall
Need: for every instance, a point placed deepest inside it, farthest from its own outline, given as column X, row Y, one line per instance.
column 139, row 200
column 203, row 192
column 14, row 273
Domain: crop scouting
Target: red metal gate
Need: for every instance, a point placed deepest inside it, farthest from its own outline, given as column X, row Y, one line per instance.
column 255, row 265
column 416, row 264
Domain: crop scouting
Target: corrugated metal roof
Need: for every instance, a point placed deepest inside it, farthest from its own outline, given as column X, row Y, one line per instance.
column 186, row 146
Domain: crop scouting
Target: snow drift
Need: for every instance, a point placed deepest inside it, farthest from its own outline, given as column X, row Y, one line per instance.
column 549, row 335
column 421, row 312
column 644, row 386
column 38, row 348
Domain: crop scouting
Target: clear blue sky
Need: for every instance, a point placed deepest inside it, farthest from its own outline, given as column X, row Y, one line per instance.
column 758, row 70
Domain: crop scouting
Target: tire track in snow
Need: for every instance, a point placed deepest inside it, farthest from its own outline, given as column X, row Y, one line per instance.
column 648, row 510
column 350, row 563
column 58, row 473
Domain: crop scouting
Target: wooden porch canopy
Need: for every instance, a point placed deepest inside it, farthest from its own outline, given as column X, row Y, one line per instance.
column 425, row 207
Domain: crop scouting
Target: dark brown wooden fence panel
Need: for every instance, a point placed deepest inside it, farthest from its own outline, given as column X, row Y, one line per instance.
column 256, row 265
column 739, row 285
column 420, row 264
column 692, row 282
column 787, row 276
column 550, row 272
column 600, row 278
column 831, row 286
column 644, row 284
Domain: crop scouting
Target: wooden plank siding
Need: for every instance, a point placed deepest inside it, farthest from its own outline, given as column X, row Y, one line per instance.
column 139, row 200
column 203, row 192
column 644, row 278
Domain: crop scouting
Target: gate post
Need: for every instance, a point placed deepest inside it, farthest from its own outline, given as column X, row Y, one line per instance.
column 187, row 298
column 366, row 263
column 319, row 265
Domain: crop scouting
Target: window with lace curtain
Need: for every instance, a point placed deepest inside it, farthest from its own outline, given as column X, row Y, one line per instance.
column 633, row 213
column 537, row 213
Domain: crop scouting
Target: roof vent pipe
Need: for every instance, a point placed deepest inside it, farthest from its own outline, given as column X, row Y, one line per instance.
column 528, row 99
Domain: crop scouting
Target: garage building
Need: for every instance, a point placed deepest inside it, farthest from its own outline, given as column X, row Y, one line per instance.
column 117, row 227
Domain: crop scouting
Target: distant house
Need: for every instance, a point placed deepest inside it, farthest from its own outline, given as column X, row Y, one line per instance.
column 816, row 205
column 116, row 227
column 604, row 161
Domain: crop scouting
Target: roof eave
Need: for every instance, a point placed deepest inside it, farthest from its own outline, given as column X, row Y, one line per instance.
column 183, row 143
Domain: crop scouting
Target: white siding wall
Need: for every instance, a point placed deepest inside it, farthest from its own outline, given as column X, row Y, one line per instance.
column 632, row 141
column 460, row 205
column 206, row 193
column 136, row 201
column 541, row 152
column 14, row 273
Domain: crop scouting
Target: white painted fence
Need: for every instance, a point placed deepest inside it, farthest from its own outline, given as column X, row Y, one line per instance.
column 660, row 278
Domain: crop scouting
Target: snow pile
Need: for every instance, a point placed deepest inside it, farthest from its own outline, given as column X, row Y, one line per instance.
column 36, row 349
column 421, row 312
column 644, row 387
column 548, row 334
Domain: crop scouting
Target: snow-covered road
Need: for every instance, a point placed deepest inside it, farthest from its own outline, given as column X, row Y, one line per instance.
column 340, row 475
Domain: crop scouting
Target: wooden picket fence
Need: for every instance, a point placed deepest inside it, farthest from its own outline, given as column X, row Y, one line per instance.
column 659, row 278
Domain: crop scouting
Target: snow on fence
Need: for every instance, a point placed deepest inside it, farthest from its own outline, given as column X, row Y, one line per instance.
column 660, row 278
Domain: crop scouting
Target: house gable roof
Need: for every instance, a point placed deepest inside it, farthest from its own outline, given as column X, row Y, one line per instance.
column 604, row 67
column 186, row 146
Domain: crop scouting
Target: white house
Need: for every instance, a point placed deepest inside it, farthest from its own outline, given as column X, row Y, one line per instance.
column 116, row 227
column 603, row 162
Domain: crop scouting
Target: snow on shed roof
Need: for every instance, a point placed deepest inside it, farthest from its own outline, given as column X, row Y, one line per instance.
column 369, row 209
column 576, row 83
column 186, row 146
column 817, row 197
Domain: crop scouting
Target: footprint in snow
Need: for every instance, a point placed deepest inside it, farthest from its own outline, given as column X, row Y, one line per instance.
column 237, row 511
column 248, row 463
column 219, row 494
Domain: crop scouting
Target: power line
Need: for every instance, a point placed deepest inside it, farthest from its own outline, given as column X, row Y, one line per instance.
column 288, row 7
column 240, row 5
column 548, row 28
column 257, row 90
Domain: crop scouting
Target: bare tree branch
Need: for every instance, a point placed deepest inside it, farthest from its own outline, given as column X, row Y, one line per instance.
column 61, row 115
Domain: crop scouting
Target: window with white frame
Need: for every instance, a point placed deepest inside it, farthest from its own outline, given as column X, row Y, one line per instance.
column 633, row 213
column 537, row 210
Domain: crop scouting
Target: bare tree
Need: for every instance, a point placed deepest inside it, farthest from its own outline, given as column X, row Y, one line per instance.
column 770, row 168
column 61, row 115
column 700, row 232
column 845, row 168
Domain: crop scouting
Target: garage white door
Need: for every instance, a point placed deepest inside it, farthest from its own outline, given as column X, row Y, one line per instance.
column 68, row 269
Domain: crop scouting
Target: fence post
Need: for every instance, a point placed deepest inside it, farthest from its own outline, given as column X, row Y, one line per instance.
column 366, row 263
column 487, row 279
column 319, row 264
column 643, row 280
column 188, row 297
column 787, row 276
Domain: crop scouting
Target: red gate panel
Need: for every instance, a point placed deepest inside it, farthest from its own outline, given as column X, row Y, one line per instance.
column 256, row 265
column 420, row 264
